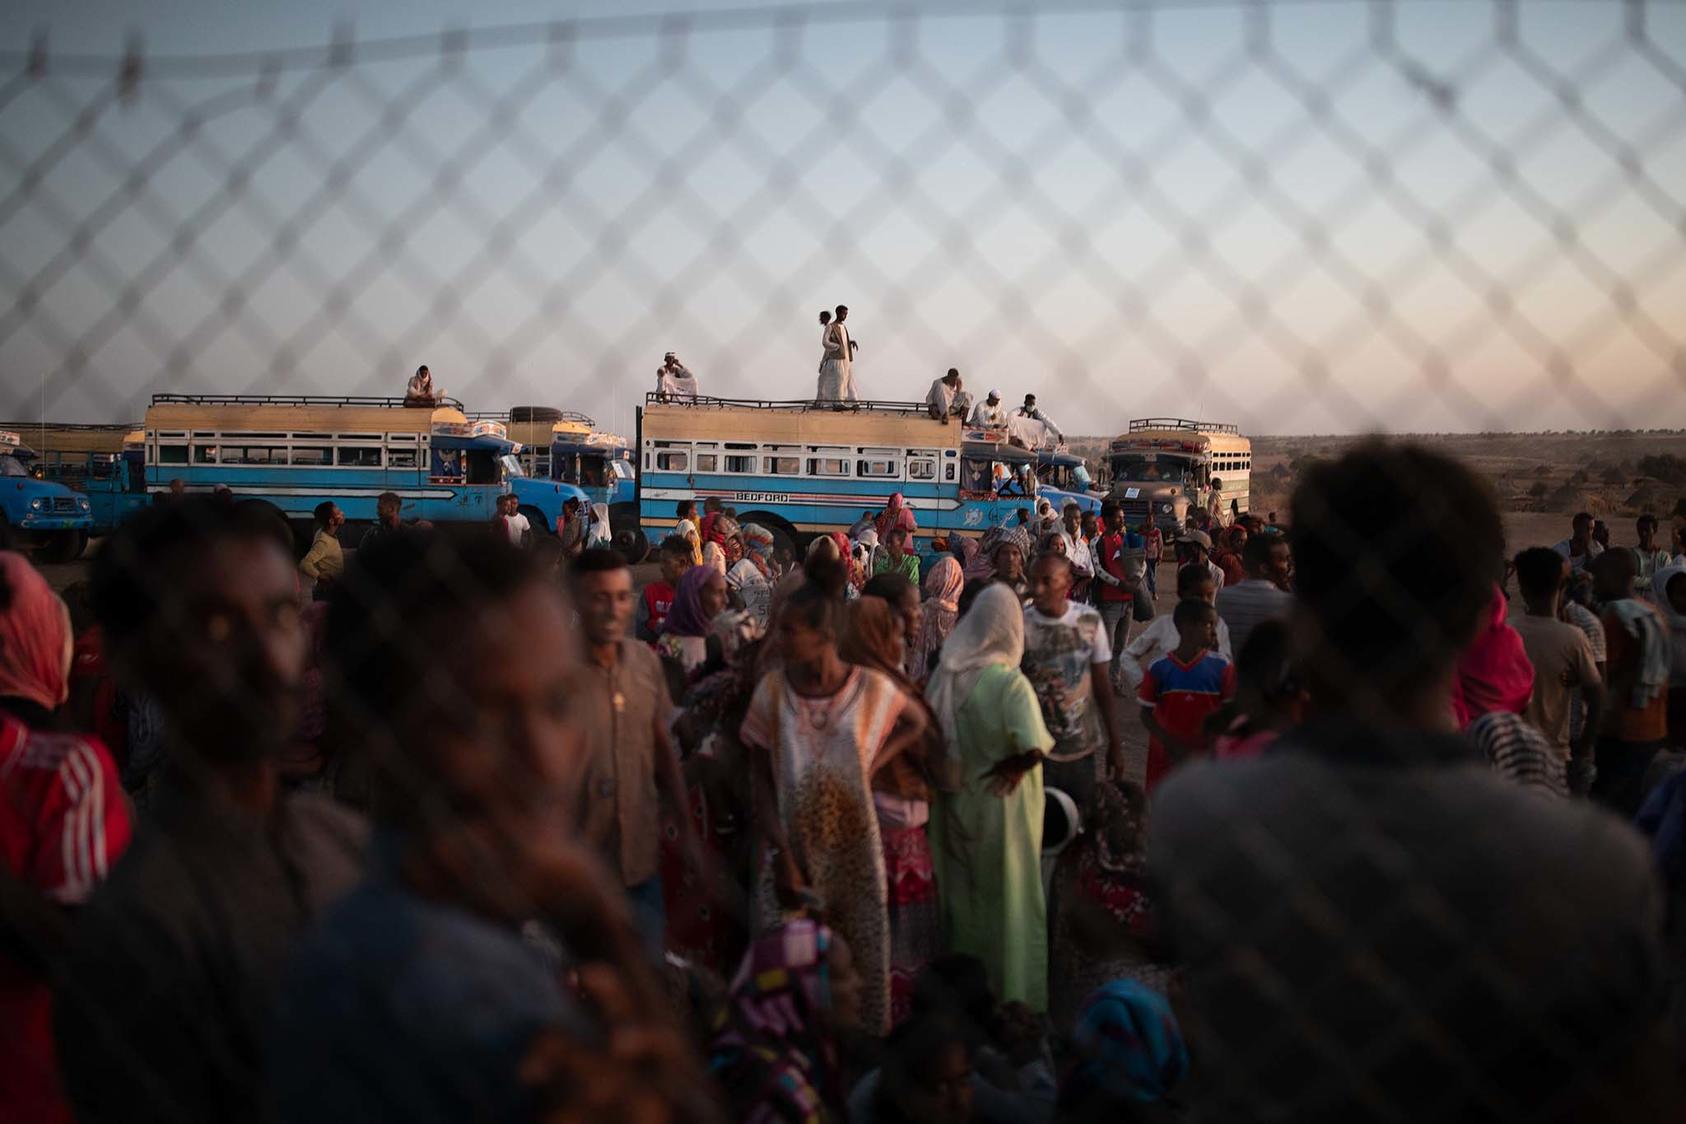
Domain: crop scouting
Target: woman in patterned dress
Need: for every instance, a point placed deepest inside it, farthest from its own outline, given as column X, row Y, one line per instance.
column 819, row 729
column 901, row 795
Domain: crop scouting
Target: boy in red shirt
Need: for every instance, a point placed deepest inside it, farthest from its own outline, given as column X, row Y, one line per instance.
column 1183, row 689
column 657, row 598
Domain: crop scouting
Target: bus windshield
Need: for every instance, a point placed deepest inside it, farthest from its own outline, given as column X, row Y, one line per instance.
column 511, row 466
column 1080, row 477
column 1152, row 468
column 11, row 466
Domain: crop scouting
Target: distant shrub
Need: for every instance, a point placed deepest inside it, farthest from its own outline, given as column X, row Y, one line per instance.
column 1667, row 467
column 1540, row 490
column 1613, row 475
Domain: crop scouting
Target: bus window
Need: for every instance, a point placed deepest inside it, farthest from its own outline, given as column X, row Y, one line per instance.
column 253, row 454
column 708, row 462
column 878, row 464
column 401, row 458
column 357, row 456
column 313, row 455
column 783, row 460
column 172, row 454
column 827, row 466
column 484, row 467
column 740, row 463
column 673, row 461
column 592, row 472
column 512, row 467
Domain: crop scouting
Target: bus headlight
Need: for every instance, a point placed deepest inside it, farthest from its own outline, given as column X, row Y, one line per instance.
column 36, row 504
column 82, row 503
column 1164, row 509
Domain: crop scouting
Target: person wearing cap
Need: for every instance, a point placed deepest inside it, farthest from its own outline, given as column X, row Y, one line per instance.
column 1197, row 551
column 990, row 413
column 1034, row 412
column 673, row 380
column 945, row 397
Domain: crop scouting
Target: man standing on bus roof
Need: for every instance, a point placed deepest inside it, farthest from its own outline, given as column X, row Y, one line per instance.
column 990, row 413
column 837, row 375
column 1033, row 412
column 420, row 391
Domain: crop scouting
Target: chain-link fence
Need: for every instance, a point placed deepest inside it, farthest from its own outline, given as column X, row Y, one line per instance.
column 1292, row 218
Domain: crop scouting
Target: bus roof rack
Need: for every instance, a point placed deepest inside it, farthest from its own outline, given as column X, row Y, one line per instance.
column 1185, row 424
column 800, row 405
column 292, row 400
column 73, row 427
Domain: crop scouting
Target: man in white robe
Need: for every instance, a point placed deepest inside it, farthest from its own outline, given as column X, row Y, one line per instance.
column 837, row 377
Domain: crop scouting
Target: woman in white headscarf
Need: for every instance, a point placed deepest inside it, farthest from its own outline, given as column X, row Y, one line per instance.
column 986, row 826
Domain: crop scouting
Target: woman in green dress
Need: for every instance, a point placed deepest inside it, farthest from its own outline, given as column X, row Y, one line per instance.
column 986, row 824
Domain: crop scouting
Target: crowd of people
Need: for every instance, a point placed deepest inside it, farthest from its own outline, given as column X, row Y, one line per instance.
column 470, row 826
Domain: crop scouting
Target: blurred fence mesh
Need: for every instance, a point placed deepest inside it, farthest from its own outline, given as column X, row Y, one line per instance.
column 1307, row 217
column 1301, row 217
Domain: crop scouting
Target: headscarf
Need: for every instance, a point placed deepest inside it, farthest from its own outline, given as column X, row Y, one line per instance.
column 1494, row 673
column 846, row 551
column 895, row 514
column 772, row 1052
column 35, row 636
column 758, row 547
column 1131, row 1045
column 714, row 558
column 943, row 583
column 972, row 563
column 686, row 617
column 991, row 633
column 1047, row 516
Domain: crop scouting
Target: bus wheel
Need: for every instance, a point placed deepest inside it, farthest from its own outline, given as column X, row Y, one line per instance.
column 632, row 544
column 65, row 546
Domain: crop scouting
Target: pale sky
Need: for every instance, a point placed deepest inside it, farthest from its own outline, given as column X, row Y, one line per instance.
column 1183, row 208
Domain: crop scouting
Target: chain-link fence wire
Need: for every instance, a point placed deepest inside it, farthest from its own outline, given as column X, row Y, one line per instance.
column 1299, row 217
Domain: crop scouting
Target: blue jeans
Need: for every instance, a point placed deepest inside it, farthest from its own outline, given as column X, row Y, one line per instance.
column 1153, row 577
column 649, row 912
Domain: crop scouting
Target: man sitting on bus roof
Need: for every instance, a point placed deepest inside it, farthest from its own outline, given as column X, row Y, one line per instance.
column 990, row 413
column 946, row 398
column 420, row 391
column 1032, row 411
column 673, row 380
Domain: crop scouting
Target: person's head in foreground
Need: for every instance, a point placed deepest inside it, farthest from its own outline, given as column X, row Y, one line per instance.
column 927, row 1074
column 675, row 558
column 1612, row 575
column 1009, row 563
column 776, row 1054
column 1396, row 549
column 200, row 611
column 1196, row 583
column 1050, row 584
column 1196, row 622
column 1129, row 1056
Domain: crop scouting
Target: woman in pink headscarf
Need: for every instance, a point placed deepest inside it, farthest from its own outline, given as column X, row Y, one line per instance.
column 941, row 609
column 35, row 644
column 1494, row 673
column 896, row 513
column 66, row 821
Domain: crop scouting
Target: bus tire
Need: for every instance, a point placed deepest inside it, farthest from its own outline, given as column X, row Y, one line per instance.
column 64, row 546
column 632, row 544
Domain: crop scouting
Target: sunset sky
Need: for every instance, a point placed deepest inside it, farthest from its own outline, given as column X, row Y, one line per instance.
column 1181, row 208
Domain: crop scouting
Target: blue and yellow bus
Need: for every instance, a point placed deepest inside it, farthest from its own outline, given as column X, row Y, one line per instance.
column 295, row 452
column 38, row 512
column 802, row 469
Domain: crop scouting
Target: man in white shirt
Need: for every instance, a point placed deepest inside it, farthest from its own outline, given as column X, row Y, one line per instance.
column 1034, row 413
column 419, row 391
column 1160, row 638
column 1199, row 545
column 516, row 527
column 945, row 397
column 1076, row 542
column 673, row 380
column 1067, row 654
column 990, row 413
